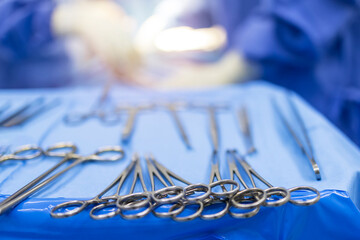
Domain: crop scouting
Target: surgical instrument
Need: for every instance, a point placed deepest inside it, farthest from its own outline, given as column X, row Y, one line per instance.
column 214, row 126
column 79, row 205
column 66, row 150
column 26, row 152
column 159, row 195
column 270, row 191
column 134, row 201
column 117, row 152
column 243, row 119
column 130, row 122
column 20, row 119
column 218, row 197
column 306, row 146
column 22, row 110
column 96, row 111
column 172, row 108
column 181, row 197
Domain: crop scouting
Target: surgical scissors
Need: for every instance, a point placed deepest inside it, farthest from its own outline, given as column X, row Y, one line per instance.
column 133, row 112
column 130, row 202
column 245, row 129
column 306, row 146
column 96, row 111
column 117, row 152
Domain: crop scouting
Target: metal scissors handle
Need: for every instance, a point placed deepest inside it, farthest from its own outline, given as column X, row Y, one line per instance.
column 278, row 191
column 135, row 201
column 117, row 152
column 26, row 152
column 65, row 148
column 241, row 199
column 218, row 197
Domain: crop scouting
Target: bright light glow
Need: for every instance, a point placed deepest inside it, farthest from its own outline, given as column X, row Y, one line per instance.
column 181, row 39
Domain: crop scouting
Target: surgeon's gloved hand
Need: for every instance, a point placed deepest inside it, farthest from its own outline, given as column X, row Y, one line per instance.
column 106, row 29
column 231, row 68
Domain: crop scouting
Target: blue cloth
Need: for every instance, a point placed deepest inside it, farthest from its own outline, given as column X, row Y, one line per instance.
column 278, row 160
column 310, row 47
column 30, row 56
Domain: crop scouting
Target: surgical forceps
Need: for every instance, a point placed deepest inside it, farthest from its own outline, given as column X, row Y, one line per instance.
column 22, row 110
column 250, row 172
column 306, row 146
column 245, row 129
column 55, row 151
column 130, row 122
column 96, row 111
column 22, row 118
column 26, row 152
column 182, row 196
column 218, row 197
column 172, row 108
column 214, row 126
column 67, row 148
column 130, row 202
column 271, row 191
column 59, row 210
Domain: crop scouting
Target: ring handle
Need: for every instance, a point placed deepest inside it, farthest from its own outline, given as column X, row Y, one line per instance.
column 137, row 215
column 116, row 151
column 249, row 214
column 27, row 152
column 219, row 214
column 307, row 202
column 256, row 193
column 191, row 189
column 189, row 217
column 133, row 201
column 226, row 194
column 160, row 196
column 278, row 191
column 171, row 212
column 62, row 149
column 57, row 213
column 102, row 206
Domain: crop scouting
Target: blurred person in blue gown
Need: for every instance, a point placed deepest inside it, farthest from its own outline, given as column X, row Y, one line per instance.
column 307, row 46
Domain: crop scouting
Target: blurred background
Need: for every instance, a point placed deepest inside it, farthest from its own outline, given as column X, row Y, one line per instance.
column 309, row 47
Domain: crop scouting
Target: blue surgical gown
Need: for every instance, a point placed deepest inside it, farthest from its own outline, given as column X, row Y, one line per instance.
column 309, row 46
column 30, row 56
